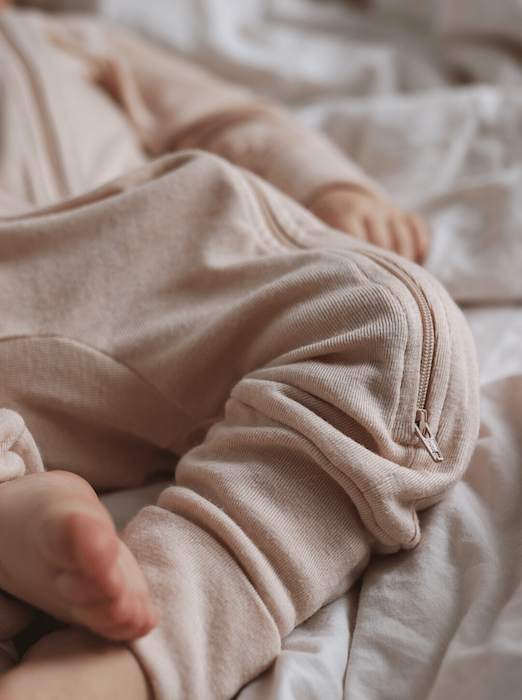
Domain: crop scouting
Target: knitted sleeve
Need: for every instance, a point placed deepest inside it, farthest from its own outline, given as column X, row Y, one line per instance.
column 174, row 104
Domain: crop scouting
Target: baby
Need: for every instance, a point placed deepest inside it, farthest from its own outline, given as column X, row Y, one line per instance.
column 118, row 297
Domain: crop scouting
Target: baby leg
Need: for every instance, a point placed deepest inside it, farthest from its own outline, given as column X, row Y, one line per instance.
column 74, row 664
column 292, row 343
column 60, row 552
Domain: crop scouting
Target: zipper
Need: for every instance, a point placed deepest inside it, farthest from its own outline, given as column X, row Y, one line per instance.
column 421, row 426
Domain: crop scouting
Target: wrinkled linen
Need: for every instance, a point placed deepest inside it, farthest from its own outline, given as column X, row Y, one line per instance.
column 427, row 97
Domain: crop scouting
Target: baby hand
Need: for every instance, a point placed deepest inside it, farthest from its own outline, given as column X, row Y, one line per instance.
column 369, row 217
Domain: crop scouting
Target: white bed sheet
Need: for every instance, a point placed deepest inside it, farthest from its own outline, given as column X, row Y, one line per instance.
column 445, row 620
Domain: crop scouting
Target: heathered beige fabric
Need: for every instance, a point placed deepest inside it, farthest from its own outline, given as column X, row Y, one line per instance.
column 82, row 104
column 188, row 308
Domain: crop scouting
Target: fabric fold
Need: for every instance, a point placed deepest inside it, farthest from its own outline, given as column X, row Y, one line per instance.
column 19, row 454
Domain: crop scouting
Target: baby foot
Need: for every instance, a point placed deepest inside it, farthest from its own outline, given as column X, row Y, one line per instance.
column 60, row 552
column 374, row 219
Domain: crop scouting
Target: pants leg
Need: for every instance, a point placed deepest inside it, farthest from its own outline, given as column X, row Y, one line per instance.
column 191, row 308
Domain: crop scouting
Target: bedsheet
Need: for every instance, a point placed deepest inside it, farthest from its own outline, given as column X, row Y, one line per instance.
column 427, row 96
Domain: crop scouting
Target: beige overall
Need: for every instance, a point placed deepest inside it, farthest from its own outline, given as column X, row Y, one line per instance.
column 190, row 309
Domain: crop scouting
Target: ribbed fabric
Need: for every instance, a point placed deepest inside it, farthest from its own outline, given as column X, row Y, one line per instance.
column 83, row 103
column 191, row 307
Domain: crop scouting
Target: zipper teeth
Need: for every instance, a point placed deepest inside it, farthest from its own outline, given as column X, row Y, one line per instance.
column 428, row 330
column 48, row 137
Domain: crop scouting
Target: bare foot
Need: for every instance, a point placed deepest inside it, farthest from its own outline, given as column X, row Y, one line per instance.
column 73, row 664
column 60, row 552
column 374, row 219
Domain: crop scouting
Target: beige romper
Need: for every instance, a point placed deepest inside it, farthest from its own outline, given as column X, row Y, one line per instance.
column 189, row 308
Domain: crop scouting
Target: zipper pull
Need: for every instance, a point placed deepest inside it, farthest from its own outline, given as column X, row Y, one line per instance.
column 423, row 430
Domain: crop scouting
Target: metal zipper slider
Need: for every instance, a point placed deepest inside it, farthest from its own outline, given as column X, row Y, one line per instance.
column 423, row 430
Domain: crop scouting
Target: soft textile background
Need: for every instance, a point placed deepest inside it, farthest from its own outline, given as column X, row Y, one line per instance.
column 427, row 96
